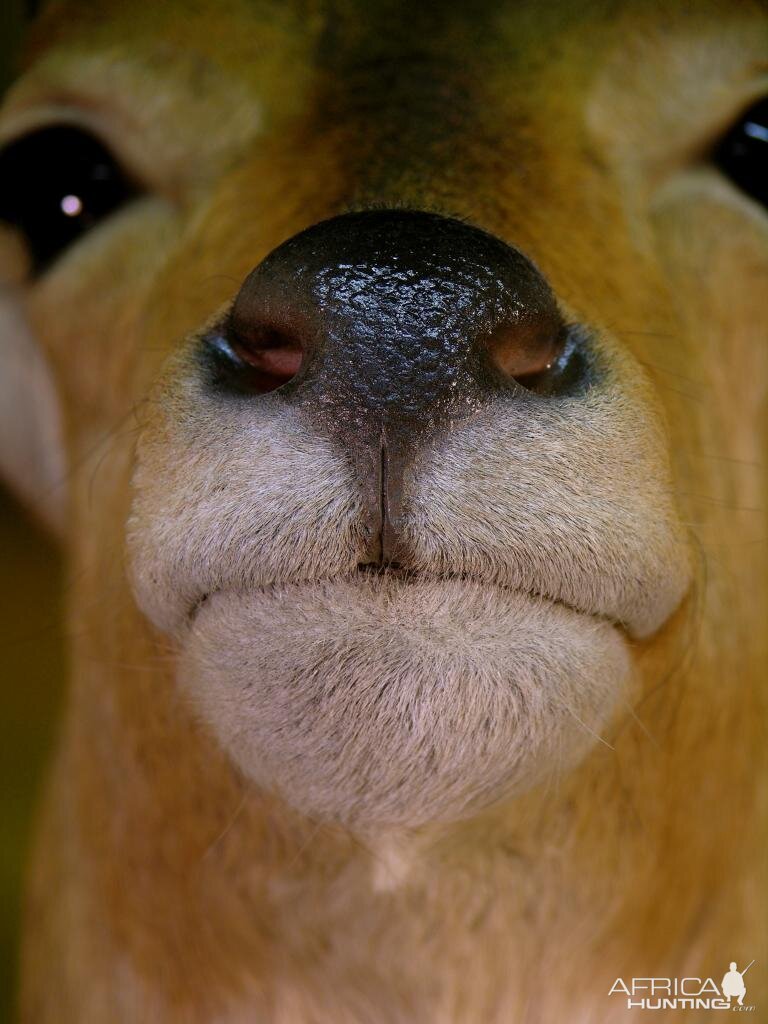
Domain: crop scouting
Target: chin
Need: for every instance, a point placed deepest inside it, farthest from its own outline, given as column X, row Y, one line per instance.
column 375, row 701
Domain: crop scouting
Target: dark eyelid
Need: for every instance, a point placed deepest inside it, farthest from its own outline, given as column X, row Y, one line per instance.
column 58, row 162
column 741, row 153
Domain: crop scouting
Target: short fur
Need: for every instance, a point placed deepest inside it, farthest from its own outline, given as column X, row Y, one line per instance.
column 481, row 794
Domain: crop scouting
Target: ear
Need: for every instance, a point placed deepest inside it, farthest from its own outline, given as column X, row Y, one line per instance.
column 31, row 449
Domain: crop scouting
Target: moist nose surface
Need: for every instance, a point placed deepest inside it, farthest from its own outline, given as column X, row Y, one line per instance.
column 406, row 322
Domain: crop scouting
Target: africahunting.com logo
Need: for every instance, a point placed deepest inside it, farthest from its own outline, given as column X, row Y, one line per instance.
column 686, row 993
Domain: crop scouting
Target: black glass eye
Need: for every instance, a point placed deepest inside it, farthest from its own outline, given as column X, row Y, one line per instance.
column 743, row 154
column 56, row 184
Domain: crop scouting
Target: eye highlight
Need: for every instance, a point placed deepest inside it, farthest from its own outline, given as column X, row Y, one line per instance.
column 742, row 155
column 55, row 185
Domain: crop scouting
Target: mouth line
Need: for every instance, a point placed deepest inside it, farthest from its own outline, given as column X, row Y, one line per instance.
column 401, row 574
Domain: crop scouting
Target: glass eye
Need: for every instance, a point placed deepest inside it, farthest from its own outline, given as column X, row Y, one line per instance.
column 57, row 183
column 742, row 155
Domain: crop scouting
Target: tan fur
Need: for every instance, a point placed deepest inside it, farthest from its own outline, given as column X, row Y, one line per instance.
column 281, row 794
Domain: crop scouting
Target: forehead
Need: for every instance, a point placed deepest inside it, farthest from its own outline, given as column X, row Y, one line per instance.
column 447, row 67
column 462, row 107
column 346, row 34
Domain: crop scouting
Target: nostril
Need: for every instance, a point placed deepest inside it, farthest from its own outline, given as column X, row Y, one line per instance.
column 525, row 363
column 255, row 357
column 268, row 329
column 565, row 366
column 530, row 336
column 269, row 350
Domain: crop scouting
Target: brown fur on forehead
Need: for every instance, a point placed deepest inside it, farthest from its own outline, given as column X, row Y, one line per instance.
column 520, row 37
column 448, row 107
column 414, row 90
column 346, row 26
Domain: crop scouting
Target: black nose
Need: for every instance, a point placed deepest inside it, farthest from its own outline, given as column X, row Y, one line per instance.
column 387, row 327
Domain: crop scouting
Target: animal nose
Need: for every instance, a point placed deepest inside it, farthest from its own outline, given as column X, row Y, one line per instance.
column 387, row 327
